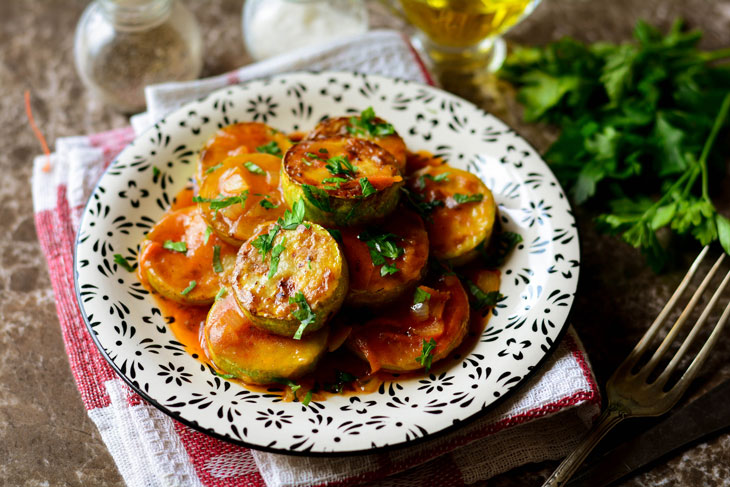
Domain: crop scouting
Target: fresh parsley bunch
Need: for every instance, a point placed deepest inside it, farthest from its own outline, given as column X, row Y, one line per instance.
column 639, row 121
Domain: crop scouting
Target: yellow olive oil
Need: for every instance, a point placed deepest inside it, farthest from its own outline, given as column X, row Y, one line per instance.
column 463, row 23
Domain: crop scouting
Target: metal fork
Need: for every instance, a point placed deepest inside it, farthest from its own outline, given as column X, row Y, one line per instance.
column 630, row 394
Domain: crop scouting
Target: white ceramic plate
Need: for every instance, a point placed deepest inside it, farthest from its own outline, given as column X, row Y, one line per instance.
column 539, row 278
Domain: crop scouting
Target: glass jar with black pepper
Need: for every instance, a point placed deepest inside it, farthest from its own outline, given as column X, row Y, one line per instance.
column 121, row 46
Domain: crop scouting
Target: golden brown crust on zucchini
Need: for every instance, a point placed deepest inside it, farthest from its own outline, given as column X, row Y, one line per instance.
column 310, row 263
column 343, row 181
column 342, row 127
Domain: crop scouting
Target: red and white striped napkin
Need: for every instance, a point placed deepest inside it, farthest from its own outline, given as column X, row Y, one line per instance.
column 543, row 420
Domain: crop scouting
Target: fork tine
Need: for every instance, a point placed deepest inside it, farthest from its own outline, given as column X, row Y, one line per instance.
column 696, row 364
column 664, row 377
column 679, row 324
column 640, row 347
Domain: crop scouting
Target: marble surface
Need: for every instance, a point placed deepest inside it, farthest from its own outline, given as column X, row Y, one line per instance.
column 46, row 437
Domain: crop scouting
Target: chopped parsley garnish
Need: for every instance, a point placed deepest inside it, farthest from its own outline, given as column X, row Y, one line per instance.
column 340, row 165
column 366, row 125
column 304, row 314
column 275, row 254
column 254, row 168
column 336, row 234
column 223, row 376
column 292, row 219
column 221, row 293
column 468, row 198
column 341, row 378
column 317, row 197
column 293, row 386
column 190, row 287
column 426, row 356
column 421, row 296
column 220, row 201
column 367, row 188
column 439, row 178
column 155, row 172
column 268, row 204
column 420, row 205
column 322, row 150
column 483, row 301
column 119, row 259
column 175, row 246
column 307, row 398
column 206, row 235
column 217, row 266
column 335, row 180
column 213, row 168
column 270, row 148
column 382, row 246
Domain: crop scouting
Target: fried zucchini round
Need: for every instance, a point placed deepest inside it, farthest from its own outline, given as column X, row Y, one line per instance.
column 239, row 348
column 400, row 339
column 240, row 138
column 464, row 214
column 381, row 132
column 343, row 181
column 301, row 280
column 397, row 271
column 178, row 263
column 252, row 177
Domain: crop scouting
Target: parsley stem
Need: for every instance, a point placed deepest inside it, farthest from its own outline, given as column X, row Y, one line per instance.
column 719, row 122
column 715, row 55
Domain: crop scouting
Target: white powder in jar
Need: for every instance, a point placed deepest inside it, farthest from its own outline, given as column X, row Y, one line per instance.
column 274, row 27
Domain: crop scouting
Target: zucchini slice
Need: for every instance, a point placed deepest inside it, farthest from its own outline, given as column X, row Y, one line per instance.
column 254, row 180
column 484, row 281
column 463, row 211
column 300, row 281
column 353, row 127
column 240, row 138
column 394, row 340
column 343, row 181
column 175, row 255
column 237, row 347
column 386, row 261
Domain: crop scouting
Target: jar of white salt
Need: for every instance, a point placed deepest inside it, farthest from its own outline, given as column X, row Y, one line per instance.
column 272, row 27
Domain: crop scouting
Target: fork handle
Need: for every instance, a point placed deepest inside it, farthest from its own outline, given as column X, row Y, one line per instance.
column 610, row 417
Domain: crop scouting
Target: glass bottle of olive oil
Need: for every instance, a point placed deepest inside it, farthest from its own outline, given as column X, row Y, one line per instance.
column 462, row 31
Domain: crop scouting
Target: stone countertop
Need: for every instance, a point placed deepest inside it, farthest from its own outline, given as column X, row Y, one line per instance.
column 46, row 438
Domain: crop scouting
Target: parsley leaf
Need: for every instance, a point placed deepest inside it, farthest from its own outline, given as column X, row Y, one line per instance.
column 292, row 219
column 365, row 124
column 217, row 266
column 221, row 293
column 265, row 241
column 638, row 123
column 175, row 246
column 367, row 188
column 206, row 235
column 275, row 254
column 119, row 259
column 500, row 246
column 336, row 234
column 482, row 301
column 270, row 148
column 213, row 168
column 268, row 204
column 421, row 296
column 439, row 178
column 220, row 201
column 317, row 197
column 190, row 287
column 426, row 356
column 304, row 314
column 340, row 165
column 419, row 204
column 254, row 168
column 468, row 198
column 382, row 246
column 341, row 378
column 307, row 398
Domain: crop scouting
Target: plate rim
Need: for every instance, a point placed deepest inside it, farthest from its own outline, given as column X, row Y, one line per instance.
column 322, row 454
